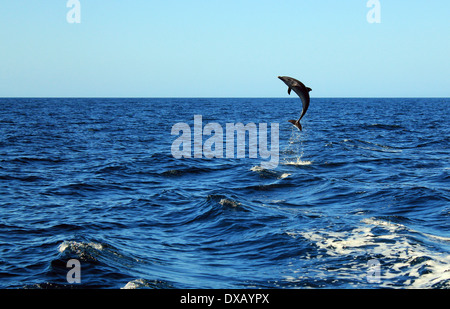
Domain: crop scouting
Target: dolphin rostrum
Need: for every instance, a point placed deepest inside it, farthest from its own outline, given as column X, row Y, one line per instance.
column 302, row 91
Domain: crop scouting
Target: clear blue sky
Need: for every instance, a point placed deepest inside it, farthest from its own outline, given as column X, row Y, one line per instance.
column 232, row 48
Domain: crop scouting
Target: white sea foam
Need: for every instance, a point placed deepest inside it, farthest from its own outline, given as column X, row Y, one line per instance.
column 295, row 147
column 77, row 246
column 400, row 256
column 134, row 284
column 257, row 169
column 146, row 284
column 263, row 171
column 297, row 162
column 227, row 202
column 284, row 175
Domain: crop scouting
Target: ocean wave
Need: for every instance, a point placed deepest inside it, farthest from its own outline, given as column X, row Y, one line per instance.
column 270, row 186
column 48, row 286
column 93, row 251
column 372, row 146
column 85, row 189
column 388, row 127
column 405, row 260
column 86, row 251
column 223, row 200
column 147, row 284
column 185, row 171
column 26, row 178
column 110, row 168
column 297, row 162
column 268, row 173
column 443, row 141
column 349, row 188
column 29, row 159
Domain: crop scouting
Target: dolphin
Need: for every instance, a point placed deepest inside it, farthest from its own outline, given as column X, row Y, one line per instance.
column 302, row 91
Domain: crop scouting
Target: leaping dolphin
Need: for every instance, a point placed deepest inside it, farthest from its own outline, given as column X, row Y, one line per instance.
column 302, row 91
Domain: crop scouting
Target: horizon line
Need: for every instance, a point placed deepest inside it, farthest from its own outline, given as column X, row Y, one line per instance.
column 209, row 97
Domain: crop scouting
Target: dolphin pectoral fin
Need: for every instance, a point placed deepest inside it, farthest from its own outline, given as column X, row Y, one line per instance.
column 289, row 90
column 296, row 123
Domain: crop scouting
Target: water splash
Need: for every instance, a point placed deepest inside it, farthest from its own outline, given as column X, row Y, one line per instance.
column 295, row 147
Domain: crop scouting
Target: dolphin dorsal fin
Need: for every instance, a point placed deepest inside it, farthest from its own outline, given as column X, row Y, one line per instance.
column 289, row 90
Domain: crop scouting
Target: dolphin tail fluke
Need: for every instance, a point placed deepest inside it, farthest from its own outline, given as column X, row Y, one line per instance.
column 296, row 123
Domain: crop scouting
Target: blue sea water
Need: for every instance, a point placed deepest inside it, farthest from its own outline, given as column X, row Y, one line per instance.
column 365, row 183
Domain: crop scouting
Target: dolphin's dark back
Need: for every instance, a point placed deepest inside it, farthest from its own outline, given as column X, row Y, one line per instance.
column 304, row 96
column 301, row 90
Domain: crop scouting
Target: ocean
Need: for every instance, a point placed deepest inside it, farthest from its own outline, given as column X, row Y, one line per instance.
column 359, row 199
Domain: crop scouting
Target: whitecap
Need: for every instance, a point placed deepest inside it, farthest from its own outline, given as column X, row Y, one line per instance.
column 146, row 284
column 401, row 256
column 257, row 169
column 84, row 250
column 78, row 246
column 265, row 172
column 227, row 202
column 297, row 162
column 134, row 284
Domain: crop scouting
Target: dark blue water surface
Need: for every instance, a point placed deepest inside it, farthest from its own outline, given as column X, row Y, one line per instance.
column 95, row 180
